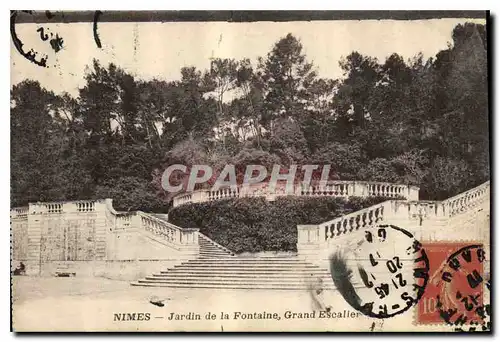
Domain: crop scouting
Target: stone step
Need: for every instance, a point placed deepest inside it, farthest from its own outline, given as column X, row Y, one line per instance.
column 222, row 284
column 244, row 271
column 241, row 271
column 292, row 287
column 253, row 265
column 239, row 276
column 215, row 268
column 210, row 257
column 235, row 261
column 282, row 282
column 213, row 252
column 263, row 258
column 244, row 267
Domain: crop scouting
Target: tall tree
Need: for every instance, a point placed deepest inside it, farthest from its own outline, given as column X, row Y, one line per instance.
column 286, row 75
column 361, row 75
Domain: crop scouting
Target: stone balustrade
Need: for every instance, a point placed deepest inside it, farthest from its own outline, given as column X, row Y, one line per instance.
column 19, row 213
column 99, row 231
column 437, row 214
column 352, row 222
column 92, row 231
column 346, row 224
column 462, row 202
column 123, row 221
column 173, row 234
column 64, row 207
column 330, row 189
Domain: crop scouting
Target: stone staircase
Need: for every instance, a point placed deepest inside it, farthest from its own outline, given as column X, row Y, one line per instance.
column 214, row 266
column 209, row 249
column 217, row 267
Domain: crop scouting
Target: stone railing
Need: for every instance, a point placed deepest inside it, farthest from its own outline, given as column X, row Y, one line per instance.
column 312, row 238
column 176, row 237
column 346, row 224
column 330, row 189
column 172, row 234
column 462, row 202
column 61, row 207
column 20, row 213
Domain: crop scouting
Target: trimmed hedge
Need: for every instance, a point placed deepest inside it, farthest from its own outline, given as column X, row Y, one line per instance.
column 256, row 225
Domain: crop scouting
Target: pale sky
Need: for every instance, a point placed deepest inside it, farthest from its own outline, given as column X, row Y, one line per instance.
column 159, row 50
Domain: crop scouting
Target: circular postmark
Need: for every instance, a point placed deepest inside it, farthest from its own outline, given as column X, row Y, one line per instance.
column 392, row 272
column 462, row 283
column 39, row 41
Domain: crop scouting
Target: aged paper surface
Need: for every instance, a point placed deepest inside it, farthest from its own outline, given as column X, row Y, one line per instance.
column 199, row 172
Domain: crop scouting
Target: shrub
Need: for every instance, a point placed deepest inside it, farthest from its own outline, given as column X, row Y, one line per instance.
column 256, row 225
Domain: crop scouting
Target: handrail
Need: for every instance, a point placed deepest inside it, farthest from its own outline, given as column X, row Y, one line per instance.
column 175, row 235
column 160, row 221
column 458, row 203
column 467, row 192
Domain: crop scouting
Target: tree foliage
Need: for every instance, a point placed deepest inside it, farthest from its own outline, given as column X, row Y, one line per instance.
column 417, row 121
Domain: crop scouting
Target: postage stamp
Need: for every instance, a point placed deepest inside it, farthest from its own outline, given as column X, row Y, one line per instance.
column 455, row 289
column 250, row 171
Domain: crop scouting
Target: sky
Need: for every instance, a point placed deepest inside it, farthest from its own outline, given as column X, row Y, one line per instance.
column 159, row 50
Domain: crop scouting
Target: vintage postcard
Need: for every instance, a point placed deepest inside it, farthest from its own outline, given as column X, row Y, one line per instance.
column 250, row 171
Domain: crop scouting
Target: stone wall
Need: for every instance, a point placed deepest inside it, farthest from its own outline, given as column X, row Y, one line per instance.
column 90, row 238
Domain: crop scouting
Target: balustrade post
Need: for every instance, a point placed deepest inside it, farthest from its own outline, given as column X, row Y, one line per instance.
column 176, row 201
column 191, row 235
column 69, row 207
column 178, row 237
column 199, row 196
column 308, row 240
column 136, row 221
column 351, row 188
column 34, row 231
column 100, row 206
column 360, row 189
column 413, row 193
column 243, row 191
column 395, row 211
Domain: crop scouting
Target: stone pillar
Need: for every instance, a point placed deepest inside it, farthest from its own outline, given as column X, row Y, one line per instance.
column 351, row 188
column 199, row 196
column 396, row 212
column 176, row 201
column 101, row 229
column 34, row 231
column 308, row 241
column 413, row 193
column 189, row 236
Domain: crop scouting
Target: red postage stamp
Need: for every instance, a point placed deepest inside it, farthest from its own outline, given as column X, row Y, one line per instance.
column 454, row 293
